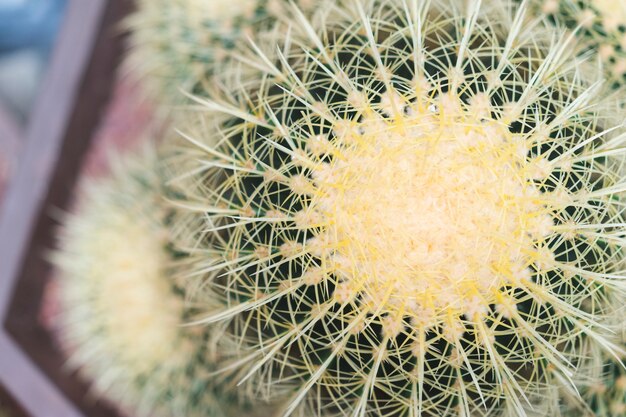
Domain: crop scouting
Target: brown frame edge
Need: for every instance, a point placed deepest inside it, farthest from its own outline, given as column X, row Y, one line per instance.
column 76, row 87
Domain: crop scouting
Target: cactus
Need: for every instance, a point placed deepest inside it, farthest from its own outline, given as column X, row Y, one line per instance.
column 177, row 44
column 600, row 26
column 604, row 393
column 121, row 312
column 417, row 212
column 608, row 397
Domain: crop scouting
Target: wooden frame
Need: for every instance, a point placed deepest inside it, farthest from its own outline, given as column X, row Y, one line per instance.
column 49, row 150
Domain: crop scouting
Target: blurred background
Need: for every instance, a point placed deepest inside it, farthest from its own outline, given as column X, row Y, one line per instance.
column 62, row 107
column 28, row 29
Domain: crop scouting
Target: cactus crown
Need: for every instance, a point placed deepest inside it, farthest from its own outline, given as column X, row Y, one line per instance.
column 415, row 214
column 426, row 206
column 175, row 44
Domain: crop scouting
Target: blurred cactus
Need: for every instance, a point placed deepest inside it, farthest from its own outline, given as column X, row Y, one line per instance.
column 121, row 311
column 608, row 397
column 604, row 392
column 600, row 26
column 176, row 44
column 416, row 212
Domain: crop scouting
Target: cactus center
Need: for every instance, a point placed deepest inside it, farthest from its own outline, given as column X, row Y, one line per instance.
column 429, row 208
column 138, row 307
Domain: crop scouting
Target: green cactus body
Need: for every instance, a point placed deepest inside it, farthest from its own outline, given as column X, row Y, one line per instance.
column 416, row 213
column 121, row 313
